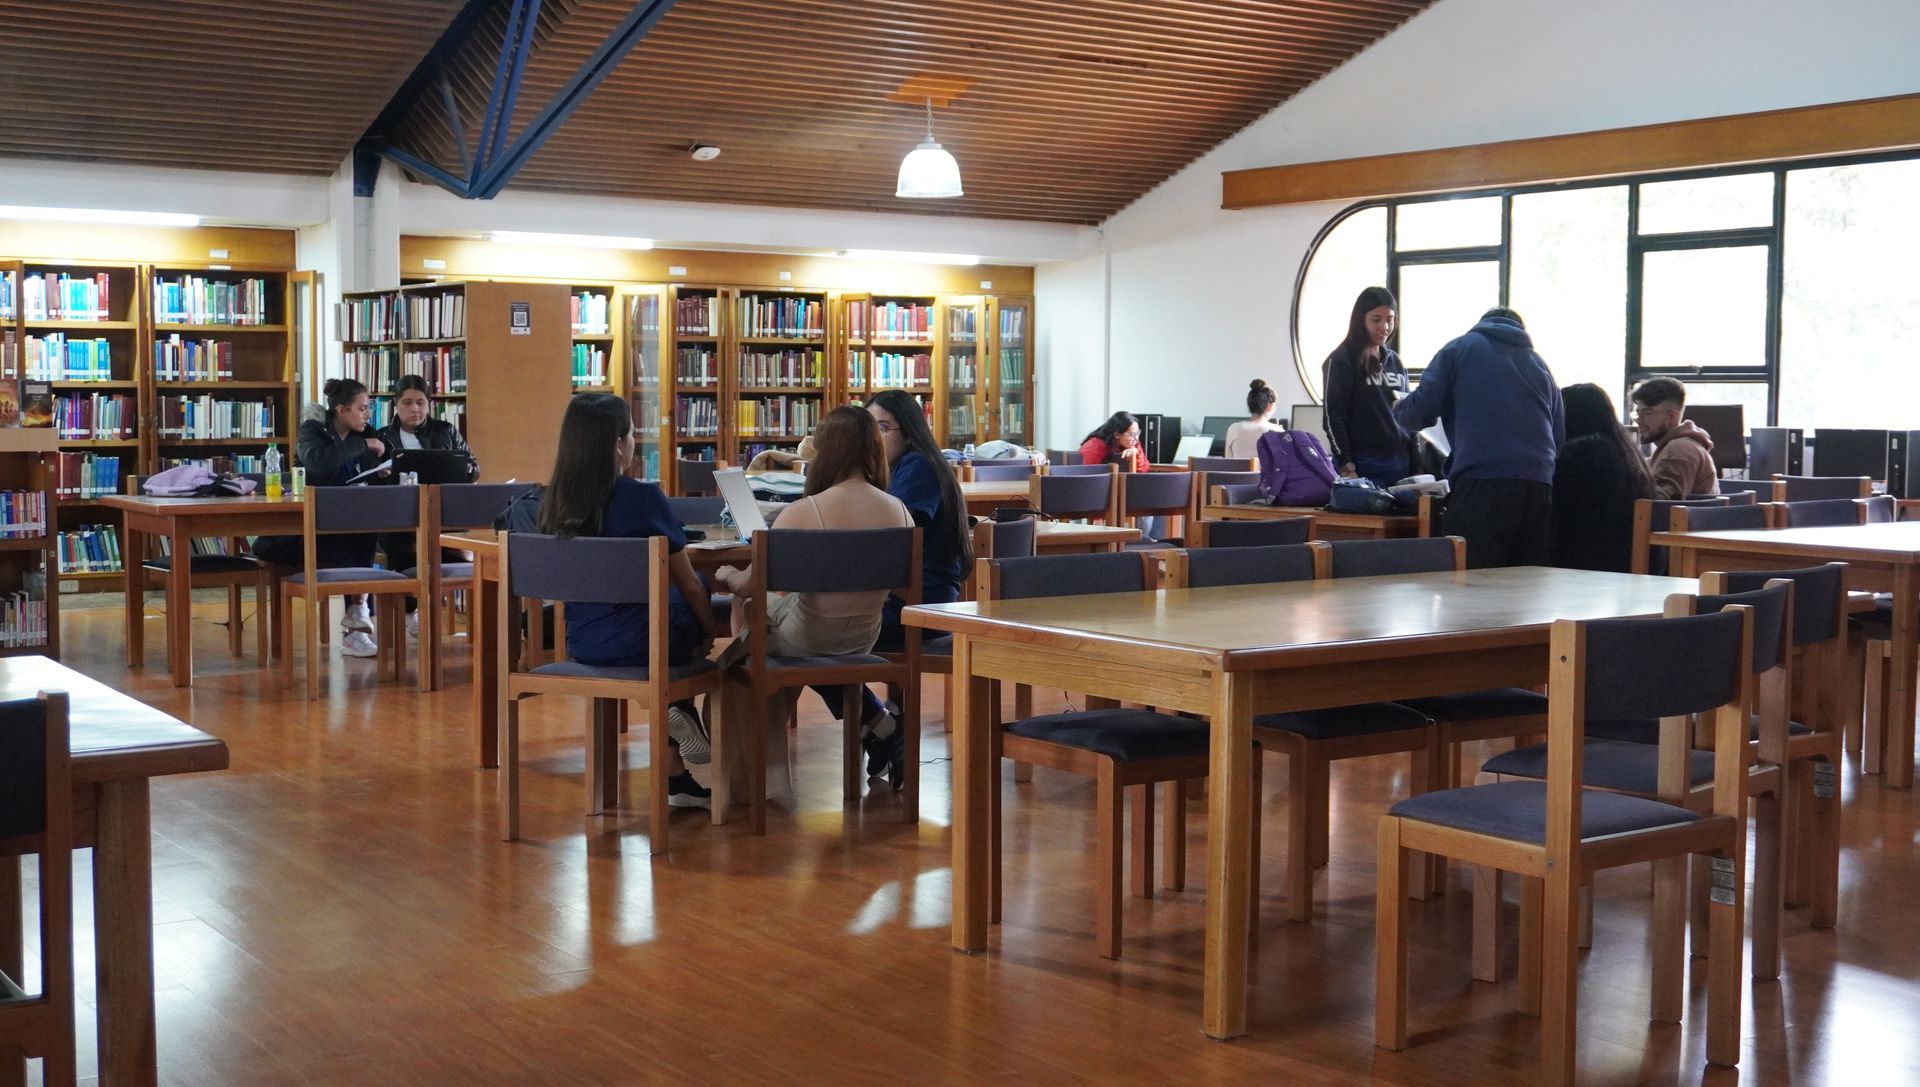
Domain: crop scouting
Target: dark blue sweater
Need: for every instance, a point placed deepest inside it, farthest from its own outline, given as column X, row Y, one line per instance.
column 1499, row 403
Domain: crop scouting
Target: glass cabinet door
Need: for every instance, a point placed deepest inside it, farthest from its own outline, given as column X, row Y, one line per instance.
column 1013, row 371
column 643, row 383
column 965, row 387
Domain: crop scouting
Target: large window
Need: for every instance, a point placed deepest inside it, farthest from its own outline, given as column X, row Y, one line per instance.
column 1786, row 289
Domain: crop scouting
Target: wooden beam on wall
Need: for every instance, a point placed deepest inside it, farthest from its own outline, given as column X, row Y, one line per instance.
column 1878, row 124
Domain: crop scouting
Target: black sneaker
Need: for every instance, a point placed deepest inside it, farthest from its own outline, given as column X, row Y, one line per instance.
column 684, row 792
column 689, row 734
column 887, row 757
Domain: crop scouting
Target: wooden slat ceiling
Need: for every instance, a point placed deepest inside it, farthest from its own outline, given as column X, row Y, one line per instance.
column 262, row 85
column 1071, row 108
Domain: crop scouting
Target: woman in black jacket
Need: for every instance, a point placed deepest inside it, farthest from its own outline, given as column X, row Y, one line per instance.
column 1362, row 379
column 413, row 427
column 1597, row 477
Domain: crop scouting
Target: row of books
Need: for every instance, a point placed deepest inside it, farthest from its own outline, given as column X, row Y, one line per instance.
column 444, row 367
column 960, row 424
column 63, row 297
column 85, row 475
column 1013, row 419
column 963, row 370
column 891, row 320
column 696, row 452
column 98, row 417
column 590, row 314
column 760, row 369
column 23, row 515
column 376, row 318
column 375, row 367
column 9, row 296
column 196, row 545
column 895, row 370
column 23, row 620
column 695, row 366
column 440, row 316
column 242, row 463
column 90, row 549
column 781, row 315
column 1013, row 366
column 960, row 325
column 589, row 365
column 696, row 416
column 776, row 416
column 205, row 418
column 696, row 315
column 53, row 357
column 650, row 463
column 178, row 359
column 200, row 300
column 1013, row 324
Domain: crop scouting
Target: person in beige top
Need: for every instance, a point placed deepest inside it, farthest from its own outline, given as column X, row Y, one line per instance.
column 1243, row 437
column 1682, row 461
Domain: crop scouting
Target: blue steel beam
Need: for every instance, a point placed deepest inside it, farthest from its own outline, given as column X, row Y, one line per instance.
column 509, row 61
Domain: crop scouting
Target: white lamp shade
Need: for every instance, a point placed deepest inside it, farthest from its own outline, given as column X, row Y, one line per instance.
column 928, row 172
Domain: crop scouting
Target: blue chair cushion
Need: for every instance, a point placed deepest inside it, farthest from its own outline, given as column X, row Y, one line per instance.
column 450, row 571
column 641, row 674
column 1606, row 764
column 1340, row 722
column 1487, row 705
column 1123, row 734
column 848, row 660
column 1149, row 545
column 1647, row 730
column 1517, row 811
column 207, row 564
column 349, row 573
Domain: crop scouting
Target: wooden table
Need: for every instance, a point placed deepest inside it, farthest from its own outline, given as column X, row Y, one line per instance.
column 1231, row 654
column 118, row 744
column 985, row 496
column 179, row 520
column 1327, row 525
column 1880, row 558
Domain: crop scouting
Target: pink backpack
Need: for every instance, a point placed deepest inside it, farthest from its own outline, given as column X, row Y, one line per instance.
column 1294, row 469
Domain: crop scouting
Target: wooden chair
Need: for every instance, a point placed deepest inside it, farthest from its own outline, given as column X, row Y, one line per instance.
column 1718, row 518
column 1238, row 494
column 1281, row 530
column 232, row 572
column 592, row 570
column 1221, row 464
column 1431, row 515
column 796, row 561
column 1808, row 488
column 1823, row 513
column 1734, row 498
column 337, row 511
column 982, row 471
column 1078, row 469
column 1056, row 457
column 1651, row 515
column 695, row 477
column 991, row 539
column 1125, row 751
column 1554, row 833
column 36, row 816
column 1763, row 490
column 450, row 508
column 1092, row 495
column 1882, row 509
column 1166, row 495
column 1205, row 481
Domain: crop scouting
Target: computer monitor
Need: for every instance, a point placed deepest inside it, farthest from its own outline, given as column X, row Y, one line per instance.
column 1726, row 424
column 1216, row 426
column 1850, row 453
column 1311, row 418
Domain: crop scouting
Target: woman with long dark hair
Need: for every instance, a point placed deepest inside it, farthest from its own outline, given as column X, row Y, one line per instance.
column 1597, row 477
column 1116, row 441
column 589, row 494
column 1362, row 378
column 414, row 427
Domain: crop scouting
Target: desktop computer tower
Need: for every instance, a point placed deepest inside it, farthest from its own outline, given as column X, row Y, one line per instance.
column 1903, row 463
column 1159, row 436
column 1775, row 450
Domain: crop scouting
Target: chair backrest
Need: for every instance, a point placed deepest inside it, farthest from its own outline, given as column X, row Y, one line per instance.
column 364, row 509
column 1275, row 533
column 1414, row 555
column 1240, row 494
column 1651, row 515
column 1220, row 464
column 1146, row 494
column 582, row 569
column 1057, row 457
column 475, row 505
column 838, row 561
column 1001, row 470
column 1208, row 567
column 1006, row 539
column 1211, row 479
column 1717, row 518
column 701, row 509
column 1082, row 469
column 1067, row 575
column 1824, row 512
column 1734, row 498
column 1772, row 606
column 1075, row 496
column 1882, row 509
column 1763, row 490
column 695, row 477
column 1808, row 488
column 1819, row 597
column 36, row 804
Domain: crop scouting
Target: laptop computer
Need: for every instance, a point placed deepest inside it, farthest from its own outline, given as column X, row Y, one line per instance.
column 732, row 484
column 1193, row 445
column 432, row 465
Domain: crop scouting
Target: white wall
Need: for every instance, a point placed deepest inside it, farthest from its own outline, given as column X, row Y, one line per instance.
column 234, row 199
column 1200, row 296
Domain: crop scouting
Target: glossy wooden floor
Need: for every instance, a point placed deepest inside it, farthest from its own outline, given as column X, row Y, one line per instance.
column 337, row 909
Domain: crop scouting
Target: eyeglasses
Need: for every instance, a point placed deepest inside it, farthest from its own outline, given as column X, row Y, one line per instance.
column 885, row 428
column 1641, row 411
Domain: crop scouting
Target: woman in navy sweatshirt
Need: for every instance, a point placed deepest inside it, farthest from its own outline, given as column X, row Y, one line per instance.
column 1362, row 378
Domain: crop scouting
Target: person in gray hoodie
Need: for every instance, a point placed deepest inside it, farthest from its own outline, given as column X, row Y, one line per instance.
column 1682, row 453
column 1504, row 419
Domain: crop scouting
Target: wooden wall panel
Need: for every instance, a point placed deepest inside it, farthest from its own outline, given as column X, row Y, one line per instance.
column 517, row 386
column 182, row 246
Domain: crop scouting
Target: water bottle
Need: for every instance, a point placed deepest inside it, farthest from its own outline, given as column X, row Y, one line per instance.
column 967, row 452
column 270, row 463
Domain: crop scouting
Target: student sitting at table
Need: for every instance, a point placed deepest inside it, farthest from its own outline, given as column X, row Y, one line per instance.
column 1597, row 477
column 1243, row 437
column 333, row 448
column 589, row 494
column 1116, row 441
column 414, row 428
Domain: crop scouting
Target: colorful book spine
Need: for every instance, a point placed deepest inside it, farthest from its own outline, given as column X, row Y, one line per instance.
column 63, row 297
column 90, row 549
column 203, row 418
column 590, row 314
column 696, row 315
column 434, row 316
column 909, row 321
column 54, row 357
column 373, row 319
column 589, row 366
column 178, row 359
column 23, row 515
column 894, row 370
column 80, row 476
column 204, row 300
column 778, row 317
column 782, row 369
column 776, row 416
column 695, row 367
column 696, row 416
column 444, row 367
column 96, row 417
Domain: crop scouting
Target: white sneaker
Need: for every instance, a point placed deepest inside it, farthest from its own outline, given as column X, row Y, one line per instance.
column 357, row 618
column 358, row 644
column 413, row 627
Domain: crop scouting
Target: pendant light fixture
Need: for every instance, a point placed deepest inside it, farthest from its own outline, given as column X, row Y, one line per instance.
column 929, row 171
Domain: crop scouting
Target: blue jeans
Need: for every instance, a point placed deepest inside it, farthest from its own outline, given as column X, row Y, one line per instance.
column 1383, row 469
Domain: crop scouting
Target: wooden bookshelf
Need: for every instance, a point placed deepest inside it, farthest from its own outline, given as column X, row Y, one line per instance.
column 595, row 324
column 29, row 513
column 218, row 375
column 643, row 351
column 1007, row 409
column 695, row 367
column 779, row 371
column 962, row 352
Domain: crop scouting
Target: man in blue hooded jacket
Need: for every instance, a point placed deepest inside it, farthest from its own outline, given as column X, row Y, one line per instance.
column 1502, row 412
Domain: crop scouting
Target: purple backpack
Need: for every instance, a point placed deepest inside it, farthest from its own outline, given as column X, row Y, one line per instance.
column 1294, row 469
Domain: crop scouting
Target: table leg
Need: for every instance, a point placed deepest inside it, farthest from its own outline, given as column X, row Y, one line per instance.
column 1229, row 807
column 483, row 641
column 123, row 934
column 1900, row 680
column 13, row 1066
column 180, row 604
column 133, row 549
column 973, row 771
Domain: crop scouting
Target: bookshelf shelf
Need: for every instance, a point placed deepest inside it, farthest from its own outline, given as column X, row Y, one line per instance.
column 84, row 326
column 274, row 440
column 94, row 384
column 238, row 386
column 24, row 543
column 187, row 326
